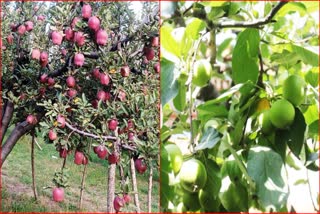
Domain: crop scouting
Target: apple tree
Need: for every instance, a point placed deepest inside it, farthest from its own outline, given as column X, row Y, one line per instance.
column 239, row 95
column 84, row 76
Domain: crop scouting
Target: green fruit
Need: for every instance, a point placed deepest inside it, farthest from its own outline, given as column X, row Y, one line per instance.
column 293, row 89
column 208, row 201
column 191, row 201
column 175, row 156
column 267, row 126
column 282, row 113
column 193, row 175
column 235, row 198
column 202, row 72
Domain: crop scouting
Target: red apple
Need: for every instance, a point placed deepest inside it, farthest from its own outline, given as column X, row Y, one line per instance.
column 126, row 198
column 86, row 11
column 31, row 119
column 104, row 79
column 157, row 67
column 10, row 39
column 43, row 78
column 56, row 38
column 58, row 194
column 125, row 71
column 35, row 54
column 68, row 34
column 149, row 53
column 43, row 59
column 130, row 124
column 61, row 121
column 72, row 93
column 52, row 135
column 140, row 165
column 78, row 59
column 63, row 52
column 130, row 136
column 85, row 160
column 13, row 27
column 155, row 41
column 112, row 124
column 29, row 25
column 50, row 81
column 79, row 38
column 22, row 96
column 101, row 95
column 102, row 152
column 118, row 202
column 101, row 37
column 94, row 23
column 41, row 18
column 78, row 157
column 113, row 158
column 21, row 29
column 63, row 153
column 71, row 81
column 96, row 73
column 95, row 103
column 75, row 21
column 42, row 91
column 122, row 95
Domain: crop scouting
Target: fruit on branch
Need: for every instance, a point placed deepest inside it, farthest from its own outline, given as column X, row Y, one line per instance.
column 10, row 39
column 29, row 25
column 79, row 38
column 122, row 95
column 63, row 52
column 41, row 18
column 78, row 157
column 56, row 38
column 149, row 53
column 176, row 157
column 68, row 34
column 42, row 91
column 101, row 37
column 112, row 124
column 74, row 22
column 52, row 135
column 156, row 67
column 293, row 89
column 155, row 41
column 104, row 79
column 126, row 198
column 282, row 113
column 101, row 151
column 72, row 93
column 96, row 73
column 50, row 81
column 113, row 158
column 35, row 54
column 78, row 59
column 94, row 23
column 13, row 27
column 86, row 11
column 61, row 121
column 85, row 160
column 58, row 194
column 43, row 78
column 130, row 125
column 21, row 29
column 95, row 103
column 140, row 165
column 71, row 81
column 63, row 153
column 193, row 175
column 118, row 202
column 31, row 119
column 102, row 95
column 202, row 72
column 43, row 59
column 131, row 136
column 125, row 71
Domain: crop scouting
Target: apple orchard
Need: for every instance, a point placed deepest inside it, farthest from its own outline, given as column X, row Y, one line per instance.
column 84, row 76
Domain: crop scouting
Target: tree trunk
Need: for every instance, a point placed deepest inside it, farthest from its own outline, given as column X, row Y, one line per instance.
column 6, row 118
column 111, row 187
column 34, row 188
column 82, row 185
column 134, row 185
column 150, row 189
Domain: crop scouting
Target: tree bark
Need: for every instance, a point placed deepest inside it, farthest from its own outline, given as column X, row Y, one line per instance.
column 7, row 116
column 111, row 187
column 82, row 185
column 134, row 185
column 34, row 188
column 150, row 189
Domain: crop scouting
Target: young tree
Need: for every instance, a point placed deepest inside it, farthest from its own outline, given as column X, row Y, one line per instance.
column 241, row 79
column 77, row 72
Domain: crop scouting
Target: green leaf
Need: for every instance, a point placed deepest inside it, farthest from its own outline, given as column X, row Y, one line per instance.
column 179, row 101
column 311, row 114
column 194, row 28
column 295, row 136
column 245, row 57
column 168, row 42
column 169, row 84
column 267, row 170
column 312, row 76
column 314, row 128
column 213, row 3
column 209, row 139
column 307, row 56
column 212, row 111
column 235, row 198
column 291, row 7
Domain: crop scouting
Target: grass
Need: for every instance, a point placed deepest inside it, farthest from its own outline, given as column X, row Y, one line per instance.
column 17, row 195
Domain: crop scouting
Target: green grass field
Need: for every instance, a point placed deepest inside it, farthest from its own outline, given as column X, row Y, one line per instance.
column 17, row 194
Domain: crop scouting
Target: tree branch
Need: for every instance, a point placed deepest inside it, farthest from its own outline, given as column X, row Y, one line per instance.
column 7, row 116
column 61, row 70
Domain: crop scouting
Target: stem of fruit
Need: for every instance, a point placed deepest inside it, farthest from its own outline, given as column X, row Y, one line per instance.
column 240, row 164
column 32, row 168
column 150, row 189
column 83, row 180
column 134, row 185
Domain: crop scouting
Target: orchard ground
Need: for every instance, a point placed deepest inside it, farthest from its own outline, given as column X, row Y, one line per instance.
column 17, row 194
